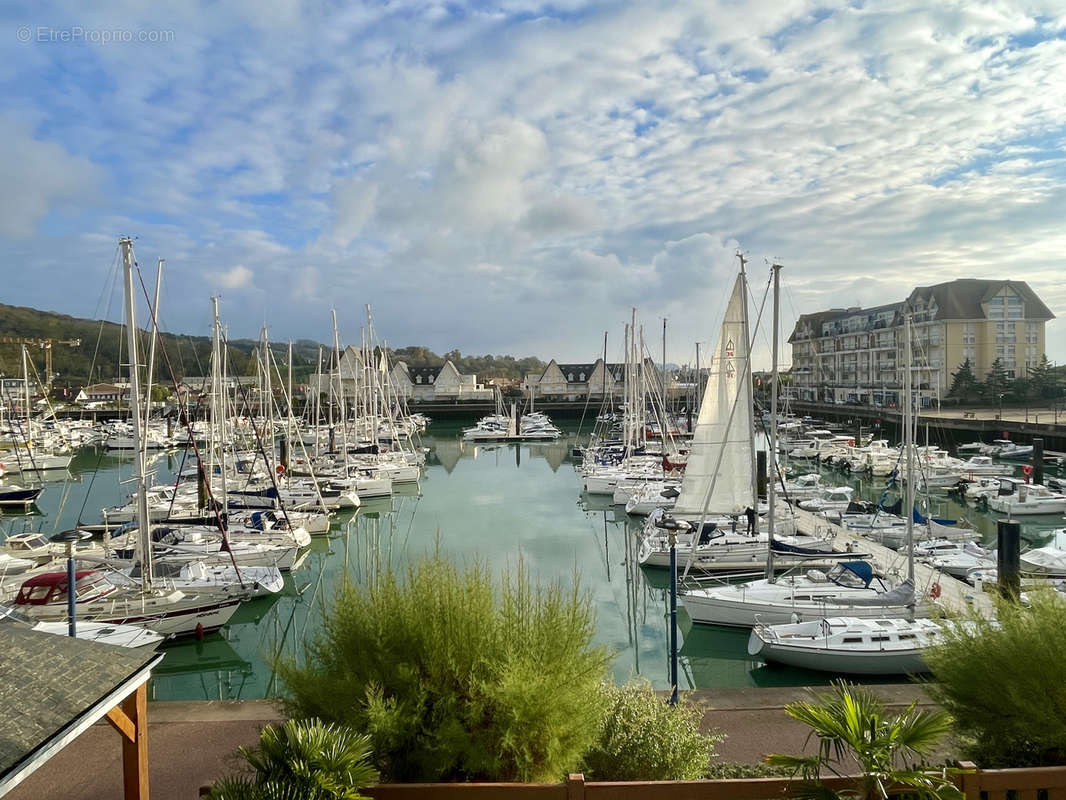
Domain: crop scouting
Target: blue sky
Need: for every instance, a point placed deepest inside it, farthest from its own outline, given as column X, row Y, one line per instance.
column 512, row 177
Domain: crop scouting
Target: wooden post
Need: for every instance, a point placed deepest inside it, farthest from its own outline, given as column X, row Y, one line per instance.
column 134, row 747
column 971, row 779
column 575, row 786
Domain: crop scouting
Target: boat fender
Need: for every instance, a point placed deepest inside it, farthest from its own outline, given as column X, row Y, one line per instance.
column 934, row 591
column 280, row 469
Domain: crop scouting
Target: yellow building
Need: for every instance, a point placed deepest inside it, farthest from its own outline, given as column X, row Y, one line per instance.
column 855, row 355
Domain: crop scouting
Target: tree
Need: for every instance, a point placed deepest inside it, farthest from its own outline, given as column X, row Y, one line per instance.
column 159, row 393
column 851, row 725
column 964, row 384
column 1042, row 380
column 302, row 760
column 456, row 676
column 997, row 381
column 1003, row 683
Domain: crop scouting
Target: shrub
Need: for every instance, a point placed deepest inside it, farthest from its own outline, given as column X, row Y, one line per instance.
column 1005, row 683
column 851, row 725
column 642, row 737
column 454, row 676
column 305, row 760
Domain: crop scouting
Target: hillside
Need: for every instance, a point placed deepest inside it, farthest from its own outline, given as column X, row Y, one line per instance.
column 103, row 348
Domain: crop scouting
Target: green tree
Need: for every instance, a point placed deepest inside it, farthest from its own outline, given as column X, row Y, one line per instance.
column 159, row 393
column 851, row 725
column 302, row 760
column 1042, row 379
column 456, row 676
column 964, row 383
column 1003, row 682
column 997, row 381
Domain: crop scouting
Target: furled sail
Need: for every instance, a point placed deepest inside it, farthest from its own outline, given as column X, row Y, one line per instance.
column 718, row 478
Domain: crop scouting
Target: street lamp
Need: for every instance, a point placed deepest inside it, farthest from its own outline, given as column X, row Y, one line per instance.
column 71, row 538
column 1001, row 405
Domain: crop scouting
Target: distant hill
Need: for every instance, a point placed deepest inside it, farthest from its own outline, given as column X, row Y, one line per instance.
column 103, row 349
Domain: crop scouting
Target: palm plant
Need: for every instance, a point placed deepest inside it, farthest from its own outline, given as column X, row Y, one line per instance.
column 851, row 726
column 305, row 759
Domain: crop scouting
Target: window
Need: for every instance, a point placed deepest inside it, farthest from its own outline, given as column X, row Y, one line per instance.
column 1015, row 307
column 581, row 377
column 969, row 333
column 570, row 377
column 1032, row 333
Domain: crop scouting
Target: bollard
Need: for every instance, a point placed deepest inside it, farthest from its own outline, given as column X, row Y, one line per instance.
column 760, row 472
column 1038, row 461
column 1008, row 540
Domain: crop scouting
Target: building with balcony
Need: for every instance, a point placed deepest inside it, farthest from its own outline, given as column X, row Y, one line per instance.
column 855, row 355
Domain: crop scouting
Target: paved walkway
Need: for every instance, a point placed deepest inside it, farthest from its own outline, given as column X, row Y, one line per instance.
column 190, row 744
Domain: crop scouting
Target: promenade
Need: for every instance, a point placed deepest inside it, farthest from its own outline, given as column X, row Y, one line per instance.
column 191, row 743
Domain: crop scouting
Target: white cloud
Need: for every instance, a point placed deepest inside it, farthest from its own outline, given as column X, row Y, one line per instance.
column 238, row 277
column 556, row 166
column 39, row 177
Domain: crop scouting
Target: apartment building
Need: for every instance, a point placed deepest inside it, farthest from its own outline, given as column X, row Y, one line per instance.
column 855, row 355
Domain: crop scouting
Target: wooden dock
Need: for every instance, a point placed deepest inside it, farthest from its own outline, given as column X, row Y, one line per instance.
column 956, row 597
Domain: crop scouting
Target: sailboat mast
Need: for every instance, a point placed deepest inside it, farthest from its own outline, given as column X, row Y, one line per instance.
column 219, row 413
column 908, row 441
column 746, row 391
column 771, row 462
column 144, row 535
column 151, row 350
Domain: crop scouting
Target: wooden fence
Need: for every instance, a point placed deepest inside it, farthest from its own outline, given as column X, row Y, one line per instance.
column 1035, row 783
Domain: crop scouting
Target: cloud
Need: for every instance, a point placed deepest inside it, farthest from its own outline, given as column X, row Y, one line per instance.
column 238, row 277
column 39, row 177
column 550, row 165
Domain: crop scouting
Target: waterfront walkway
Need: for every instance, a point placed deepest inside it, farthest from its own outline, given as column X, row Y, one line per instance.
column 191, row 743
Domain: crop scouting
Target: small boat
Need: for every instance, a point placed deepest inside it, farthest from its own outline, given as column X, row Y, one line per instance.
column 119, row 635
column 849, row 645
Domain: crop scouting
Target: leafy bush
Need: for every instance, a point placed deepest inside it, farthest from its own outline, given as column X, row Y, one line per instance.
column 642, row 737
column 455, row 677
column 724, row 770
column 302, row 760
column 1005, row 683
column 851, row 725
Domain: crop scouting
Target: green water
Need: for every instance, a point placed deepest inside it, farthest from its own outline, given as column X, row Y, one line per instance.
column 497, row 503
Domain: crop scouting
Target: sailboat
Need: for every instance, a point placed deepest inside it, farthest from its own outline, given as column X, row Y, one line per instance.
column 852, row 585
column 714, row 515
column 163, row 609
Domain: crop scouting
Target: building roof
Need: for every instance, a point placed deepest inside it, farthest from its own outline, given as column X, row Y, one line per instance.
column 962, row 298
column 52, row 687
column 426, row 372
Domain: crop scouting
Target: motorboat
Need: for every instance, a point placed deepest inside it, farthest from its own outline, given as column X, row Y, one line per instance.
column 1016, row 497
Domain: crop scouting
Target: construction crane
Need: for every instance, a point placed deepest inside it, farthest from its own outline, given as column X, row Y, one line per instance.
column 44, row 344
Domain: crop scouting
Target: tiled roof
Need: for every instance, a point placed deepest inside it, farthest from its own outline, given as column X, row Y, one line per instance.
column 48, row 681
column 962, row 298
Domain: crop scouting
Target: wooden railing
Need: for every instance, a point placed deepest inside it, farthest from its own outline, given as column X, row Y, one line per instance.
column 1034, row 783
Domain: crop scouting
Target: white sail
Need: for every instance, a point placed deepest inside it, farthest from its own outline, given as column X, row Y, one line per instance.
column 718, row 477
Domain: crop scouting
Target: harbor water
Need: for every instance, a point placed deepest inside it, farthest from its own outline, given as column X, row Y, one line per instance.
column 496, row 503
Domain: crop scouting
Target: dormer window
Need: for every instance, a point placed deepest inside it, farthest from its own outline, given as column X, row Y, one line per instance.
column 582, row 377
column 418, row 379
column 570, row 377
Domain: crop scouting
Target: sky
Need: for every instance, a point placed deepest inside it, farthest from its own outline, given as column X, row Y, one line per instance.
column 515, row 177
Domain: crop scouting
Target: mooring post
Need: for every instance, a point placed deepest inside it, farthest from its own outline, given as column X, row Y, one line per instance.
column 760, row 472
column 1038, row 460
column 1008, row 542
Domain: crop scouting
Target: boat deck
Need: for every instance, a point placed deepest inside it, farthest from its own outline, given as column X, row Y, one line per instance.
column 955, row 596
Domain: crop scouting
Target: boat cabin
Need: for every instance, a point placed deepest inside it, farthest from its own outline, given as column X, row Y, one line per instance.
column 51, row 588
